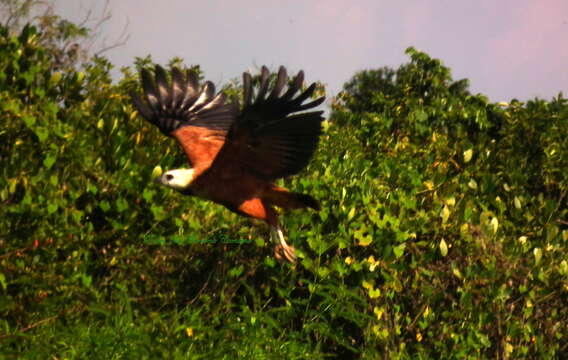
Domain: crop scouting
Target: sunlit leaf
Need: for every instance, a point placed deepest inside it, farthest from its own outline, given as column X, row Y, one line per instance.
column 351, row 214
column 51, row 208
column 49, row 160
column 156, row 172
column 467, row 155
column 563, row 268
column 537, row 252
column 443, row 247
column 494, row 224
column 399, row 250
column 517, row 202
column 472, row 184
column 445, row 214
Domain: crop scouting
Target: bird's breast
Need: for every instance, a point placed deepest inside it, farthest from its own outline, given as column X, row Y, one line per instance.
column 228, row 191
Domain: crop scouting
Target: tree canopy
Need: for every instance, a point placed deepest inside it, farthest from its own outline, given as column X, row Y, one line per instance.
column 443, row 230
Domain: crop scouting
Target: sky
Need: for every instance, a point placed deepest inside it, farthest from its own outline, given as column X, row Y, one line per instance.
column 506, row 48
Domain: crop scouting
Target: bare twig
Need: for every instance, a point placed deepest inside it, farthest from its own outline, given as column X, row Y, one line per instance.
column 42, row 321
column 96, row 30
column 122, row 40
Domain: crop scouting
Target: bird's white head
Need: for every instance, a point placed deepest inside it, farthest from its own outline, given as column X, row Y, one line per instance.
column 178, row 179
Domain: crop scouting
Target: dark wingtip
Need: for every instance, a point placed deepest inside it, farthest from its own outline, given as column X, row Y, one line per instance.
column 312, row 104
column 296, row 85
column 299, row 79
column 281, row 79
column 164, row 88
column 141, row 106
column 177, row 100
column 264, row 80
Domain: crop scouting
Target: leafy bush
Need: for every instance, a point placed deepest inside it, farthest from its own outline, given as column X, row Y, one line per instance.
column 442, row 232
column 468, row 210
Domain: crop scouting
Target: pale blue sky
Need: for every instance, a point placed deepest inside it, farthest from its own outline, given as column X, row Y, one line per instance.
column 507, row 48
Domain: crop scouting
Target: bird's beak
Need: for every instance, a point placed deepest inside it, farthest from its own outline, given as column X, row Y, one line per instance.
column 158, row 180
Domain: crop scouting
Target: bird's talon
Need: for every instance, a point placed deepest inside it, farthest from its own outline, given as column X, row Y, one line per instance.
column 282, row 253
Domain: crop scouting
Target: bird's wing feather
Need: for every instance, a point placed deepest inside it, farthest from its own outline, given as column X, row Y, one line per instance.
column 196, row 117
column 269, row 138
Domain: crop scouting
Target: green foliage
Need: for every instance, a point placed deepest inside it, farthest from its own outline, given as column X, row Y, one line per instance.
column 474, row 194
column 442, row 232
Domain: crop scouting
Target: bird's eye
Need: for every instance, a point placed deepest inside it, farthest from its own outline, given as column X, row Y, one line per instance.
column 169, row 177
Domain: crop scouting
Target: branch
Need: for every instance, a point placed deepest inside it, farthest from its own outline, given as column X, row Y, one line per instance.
column 42, row 321
column 122, row 40
column 96, row 32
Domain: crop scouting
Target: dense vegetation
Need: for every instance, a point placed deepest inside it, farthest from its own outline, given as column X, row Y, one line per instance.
column 443, row 232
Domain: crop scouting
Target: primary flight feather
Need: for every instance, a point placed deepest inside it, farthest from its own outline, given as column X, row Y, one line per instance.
column 237, row 154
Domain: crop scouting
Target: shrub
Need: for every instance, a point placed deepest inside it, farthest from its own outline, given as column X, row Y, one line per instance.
column 441, row 234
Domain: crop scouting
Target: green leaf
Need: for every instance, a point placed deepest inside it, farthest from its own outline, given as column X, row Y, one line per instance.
column 443, row 248
column 259, row 242
column 537, row 252
column 494, row 224
column 105, row 206
column 374, row 293
column 54, row 180
column 56, row 77
column 12, row 106
column 399, row 250
column 420, row 115
column 364, row 240
column 351, row 214
column 49, row 160
column 92, row 188
column 563, row 268
column 517, row 202
column 445, row 214
column 148, row 194
column 472, row 184
column 86, row 280
column 156, row 172
column 41, row 133
column 121, row 204
column 29, row 120
column 158, row 212
column 3, row 282
column 51, row 208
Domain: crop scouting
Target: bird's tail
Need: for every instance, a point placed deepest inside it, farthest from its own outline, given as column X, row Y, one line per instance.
column 285, row 199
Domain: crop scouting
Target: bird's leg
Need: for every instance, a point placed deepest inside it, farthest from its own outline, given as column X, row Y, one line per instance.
column 281, row 247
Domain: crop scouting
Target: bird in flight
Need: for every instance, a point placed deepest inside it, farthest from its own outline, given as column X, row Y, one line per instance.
column 236, row 154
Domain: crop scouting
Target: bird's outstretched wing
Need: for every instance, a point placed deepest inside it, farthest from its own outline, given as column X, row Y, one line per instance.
column 197, row 117
column 272, row 137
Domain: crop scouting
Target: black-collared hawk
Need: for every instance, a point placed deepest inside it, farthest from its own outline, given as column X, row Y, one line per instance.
column 236, row 153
